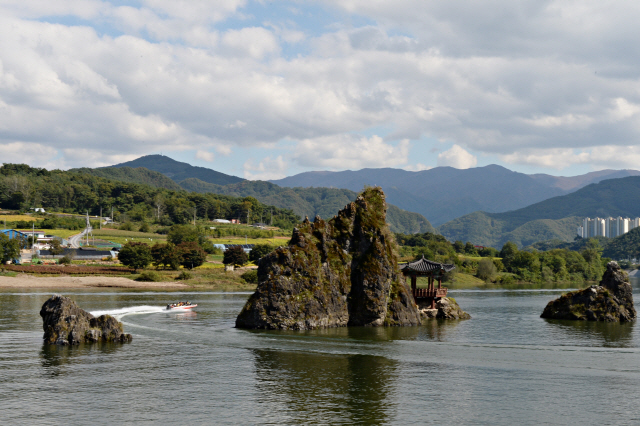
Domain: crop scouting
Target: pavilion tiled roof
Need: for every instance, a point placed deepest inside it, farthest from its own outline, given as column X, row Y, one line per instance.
column 425, row 266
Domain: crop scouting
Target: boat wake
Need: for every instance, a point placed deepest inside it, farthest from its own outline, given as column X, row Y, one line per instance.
column 132, row 310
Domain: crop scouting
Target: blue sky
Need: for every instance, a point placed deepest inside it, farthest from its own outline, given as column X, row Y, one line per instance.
column 264, row 90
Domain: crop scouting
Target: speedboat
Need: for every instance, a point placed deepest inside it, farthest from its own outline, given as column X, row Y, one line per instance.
column 179, row 307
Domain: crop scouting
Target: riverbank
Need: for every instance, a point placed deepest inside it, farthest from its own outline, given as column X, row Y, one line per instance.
column 69, row 282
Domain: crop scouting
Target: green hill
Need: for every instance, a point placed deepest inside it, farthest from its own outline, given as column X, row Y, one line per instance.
column 324, row 202
column 178, row 171
column 555, row 218
column 128, row 174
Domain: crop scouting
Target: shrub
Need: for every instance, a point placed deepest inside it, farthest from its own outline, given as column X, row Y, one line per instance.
column 165, row 255
column 209, row 248
column 65, row 260
column 127, row 226
column 144, row 227
column 149, row 276
column 184, row 275
column 251, row 276
column 486, row 269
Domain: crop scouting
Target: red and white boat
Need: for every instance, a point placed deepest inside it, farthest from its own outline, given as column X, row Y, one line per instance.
column 179, row 307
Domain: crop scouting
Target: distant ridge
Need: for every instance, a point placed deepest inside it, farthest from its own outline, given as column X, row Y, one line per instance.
column 442, row 194
column 555, row 218
column 179, row 171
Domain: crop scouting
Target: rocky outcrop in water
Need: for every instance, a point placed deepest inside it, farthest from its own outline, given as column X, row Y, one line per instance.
column 341, row 272
column 65, row 323
column 446, row 308
column 611, row 301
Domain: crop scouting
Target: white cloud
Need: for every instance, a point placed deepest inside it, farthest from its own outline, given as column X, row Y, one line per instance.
column 418, row 167
column 267, row 169
column 350, row 152
column 457, row 157
column 536, row 83
column 601, row 157
column 205, row 156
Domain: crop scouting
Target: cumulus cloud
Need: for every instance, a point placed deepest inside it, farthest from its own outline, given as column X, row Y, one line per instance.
column 457, row 157
column 418, row 167
column 536, row 83
column 350, row 152
column 266, row 169
column 205, row 156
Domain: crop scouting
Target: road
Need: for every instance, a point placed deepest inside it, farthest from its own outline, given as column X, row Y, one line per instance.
column 74, row 240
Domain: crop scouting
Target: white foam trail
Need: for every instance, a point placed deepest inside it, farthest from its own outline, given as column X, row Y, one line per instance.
column 132, row 310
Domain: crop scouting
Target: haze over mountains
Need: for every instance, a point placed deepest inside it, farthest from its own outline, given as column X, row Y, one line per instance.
column 442, row 194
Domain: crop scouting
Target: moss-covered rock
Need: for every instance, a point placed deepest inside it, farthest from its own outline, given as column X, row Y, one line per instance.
column 332, row 274
column 65, row 323
column 610, row 301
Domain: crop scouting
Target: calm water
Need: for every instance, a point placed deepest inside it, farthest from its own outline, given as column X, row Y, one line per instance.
column 506, row 366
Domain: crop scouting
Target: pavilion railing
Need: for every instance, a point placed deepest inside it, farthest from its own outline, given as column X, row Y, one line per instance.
column 425, row 292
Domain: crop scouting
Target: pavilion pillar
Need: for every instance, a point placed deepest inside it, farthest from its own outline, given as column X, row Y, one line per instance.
column 414, row 280
column 439, row 282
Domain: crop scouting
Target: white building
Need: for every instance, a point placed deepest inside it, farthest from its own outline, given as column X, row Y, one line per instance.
column 609, row 227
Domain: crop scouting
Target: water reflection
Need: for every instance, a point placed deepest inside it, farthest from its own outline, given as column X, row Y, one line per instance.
column 336, row 388
column 54, row 358
column 598, row 333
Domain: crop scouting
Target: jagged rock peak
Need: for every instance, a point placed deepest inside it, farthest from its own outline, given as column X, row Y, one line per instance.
column 610, row 301
column 64, row 323
column 334, row 273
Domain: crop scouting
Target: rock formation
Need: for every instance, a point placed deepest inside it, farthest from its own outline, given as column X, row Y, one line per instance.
column 65, row 323
column 611, row 301
column 446, row 308
column 332, row 274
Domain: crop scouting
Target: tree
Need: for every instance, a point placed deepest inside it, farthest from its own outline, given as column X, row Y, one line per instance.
column 469, row 248
column 259, row 251
column 458, row 246
column 9, row 248
column 235, row 256
column 55, row 247
column 508, row 253
column 191, row 254
column 184, row 233
column 135, row 255
column 165, row 255
column 486, row 269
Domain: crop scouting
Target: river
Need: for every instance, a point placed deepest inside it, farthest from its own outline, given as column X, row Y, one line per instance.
column 505, row 366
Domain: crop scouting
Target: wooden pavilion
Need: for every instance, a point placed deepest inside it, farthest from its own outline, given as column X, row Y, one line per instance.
column 433, row 271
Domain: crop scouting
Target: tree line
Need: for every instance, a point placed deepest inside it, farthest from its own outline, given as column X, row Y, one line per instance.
column 23, row 187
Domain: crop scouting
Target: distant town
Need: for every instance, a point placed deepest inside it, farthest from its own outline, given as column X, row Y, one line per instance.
column 610, row 227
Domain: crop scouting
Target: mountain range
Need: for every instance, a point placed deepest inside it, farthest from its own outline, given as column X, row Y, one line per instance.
column 486, row 205
column 164, row 172
column 443, row 194
column 554, row 218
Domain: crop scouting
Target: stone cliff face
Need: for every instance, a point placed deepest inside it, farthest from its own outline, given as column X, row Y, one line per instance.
column 611, row 301
column 446, row 308
column 65, row 323
column 333, row 273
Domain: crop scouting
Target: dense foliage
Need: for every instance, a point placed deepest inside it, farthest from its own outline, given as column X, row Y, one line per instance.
column 258, row 251
column 135, row 255
column 9, row 248
column 512, row 264
column 23, row 187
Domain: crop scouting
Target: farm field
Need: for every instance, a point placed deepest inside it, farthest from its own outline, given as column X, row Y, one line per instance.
column 17, row 217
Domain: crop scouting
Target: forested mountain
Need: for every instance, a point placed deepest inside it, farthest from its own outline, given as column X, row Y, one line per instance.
column 442, row 194
column 133, row 175
column 324, row 202
column 556, row 217
column 178, row 171
column 23, row 187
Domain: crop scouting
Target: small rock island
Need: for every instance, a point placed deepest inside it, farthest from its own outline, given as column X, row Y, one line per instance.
column 335, row 273
column 611, row 301
column 65, row 323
